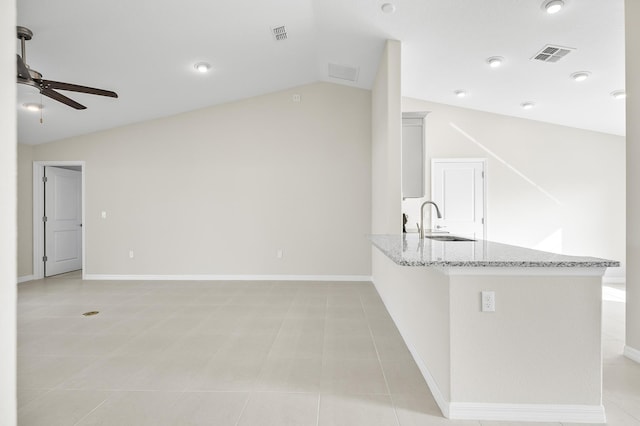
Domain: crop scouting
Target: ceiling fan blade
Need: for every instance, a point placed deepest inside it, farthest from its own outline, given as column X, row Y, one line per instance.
column 48, row 84
column 23, row 71
column 62, row 98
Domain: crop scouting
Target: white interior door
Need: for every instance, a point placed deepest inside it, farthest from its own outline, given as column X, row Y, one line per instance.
column 458, row 189
column 63, row 224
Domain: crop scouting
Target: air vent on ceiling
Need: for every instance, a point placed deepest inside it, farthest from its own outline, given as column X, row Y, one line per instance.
column 551, row 53
column 343, row 72
column 279, row 33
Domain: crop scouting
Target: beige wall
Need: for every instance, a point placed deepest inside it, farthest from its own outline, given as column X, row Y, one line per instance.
column 632, row 13
column 25, row 210
column 418, row 301
column 512, row 355
column 219, row 190
column 549, row 187
column 7, row 214
column 385, row 139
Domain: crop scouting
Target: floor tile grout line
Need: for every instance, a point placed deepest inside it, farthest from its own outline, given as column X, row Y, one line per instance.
column 94, row 409
column 322, row 358
column 244, row 407
column 611, row 401
column 264, row 363
column 384, row 376
column 318, row 411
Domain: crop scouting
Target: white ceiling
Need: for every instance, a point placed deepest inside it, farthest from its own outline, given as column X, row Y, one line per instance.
column 145, row 50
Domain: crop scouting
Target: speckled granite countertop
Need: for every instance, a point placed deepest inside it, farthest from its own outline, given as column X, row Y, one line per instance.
column 409, row 250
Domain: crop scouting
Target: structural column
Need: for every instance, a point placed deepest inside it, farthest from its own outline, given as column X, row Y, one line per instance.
column 632, row 30
column 8, row 203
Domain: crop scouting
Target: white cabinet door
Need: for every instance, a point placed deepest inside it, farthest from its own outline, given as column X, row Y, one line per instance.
column 413, row 154
column 458, row 189
column 63, row 227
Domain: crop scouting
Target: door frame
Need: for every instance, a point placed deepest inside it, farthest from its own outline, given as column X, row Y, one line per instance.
column 38, row 213
column 484, row 183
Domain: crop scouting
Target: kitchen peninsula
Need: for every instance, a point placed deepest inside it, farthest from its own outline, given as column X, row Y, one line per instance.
column 535, row 357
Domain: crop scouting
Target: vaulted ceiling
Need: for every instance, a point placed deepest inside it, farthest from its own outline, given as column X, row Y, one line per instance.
column 146, row 50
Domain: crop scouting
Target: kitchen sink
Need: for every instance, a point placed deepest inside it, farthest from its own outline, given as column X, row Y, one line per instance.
column 447, row 238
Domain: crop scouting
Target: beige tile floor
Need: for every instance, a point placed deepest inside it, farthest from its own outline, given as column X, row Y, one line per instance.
column 239, row 353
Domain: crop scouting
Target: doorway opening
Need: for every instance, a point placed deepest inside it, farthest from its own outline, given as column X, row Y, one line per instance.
column 58, row 217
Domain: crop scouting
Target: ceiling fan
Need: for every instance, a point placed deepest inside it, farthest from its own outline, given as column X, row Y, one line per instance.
column 31, row 77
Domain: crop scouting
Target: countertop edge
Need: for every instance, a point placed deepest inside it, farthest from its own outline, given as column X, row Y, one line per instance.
column 587, row 262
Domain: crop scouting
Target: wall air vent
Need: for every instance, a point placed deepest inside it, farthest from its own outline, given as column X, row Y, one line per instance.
column 344, row 72
column 279, row 33
column 551, row 53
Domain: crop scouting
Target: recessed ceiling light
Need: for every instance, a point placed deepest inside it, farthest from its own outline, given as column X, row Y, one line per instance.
column 580, row 75
column 202, row 67
column 553, row 6
column 619, row 94
column 527, row 105
column 388, row 8
column 495, row 61
column 33, row 107
column 460, row 93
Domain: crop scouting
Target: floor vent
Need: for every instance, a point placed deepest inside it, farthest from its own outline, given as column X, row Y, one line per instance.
column 90, row 313
column 279, row 33
column 551, row 53
column 343, row 72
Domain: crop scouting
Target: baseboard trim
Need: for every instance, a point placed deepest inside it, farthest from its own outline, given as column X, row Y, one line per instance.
column 25, row 278
column 632, row 353
column 112, row 277
column 527, row 412
column 431, row 382
column 442, row 402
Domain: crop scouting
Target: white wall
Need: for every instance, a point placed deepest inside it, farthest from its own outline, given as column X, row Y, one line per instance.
column 219, row 190
column 549, row 187
column 632, row 14
column 7, row 214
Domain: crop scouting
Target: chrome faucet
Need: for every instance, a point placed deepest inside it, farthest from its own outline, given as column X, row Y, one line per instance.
column 422, row 216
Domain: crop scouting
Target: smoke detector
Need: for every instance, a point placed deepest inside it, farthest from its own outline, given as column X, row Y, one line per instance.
column 551, row 53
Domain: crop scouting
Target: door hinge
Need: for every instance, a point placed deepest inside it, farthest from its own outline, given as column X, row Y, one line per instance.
column 482, row 220
column 44, row 179
column 482, row 175
column 44, row 218
column 44, row 258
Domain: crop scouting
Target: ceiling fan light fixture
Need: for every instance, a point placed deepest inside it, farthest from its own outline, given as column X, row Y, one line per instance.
column 495, row 61
column 553, row 6
column 460, row 93
column 527, row 105
column 580, row 75
column 619, row 94
column 202, row 67
column 33, row 107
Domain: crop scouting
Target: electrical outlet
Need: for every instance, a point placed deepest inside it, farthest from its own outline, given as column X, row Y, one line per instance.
column 130, row 254
column 279, row 253
column 104, row 215
column 296, row 98
column 488, row 301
